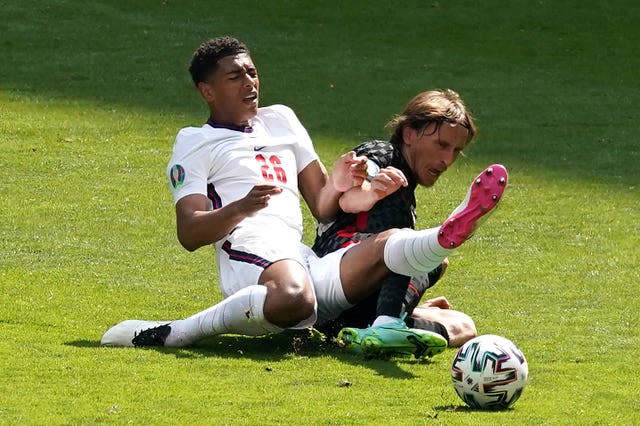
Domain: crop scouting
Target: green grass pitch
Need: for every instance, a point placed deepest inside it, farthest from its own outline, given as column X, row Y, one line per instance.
column 92, row 94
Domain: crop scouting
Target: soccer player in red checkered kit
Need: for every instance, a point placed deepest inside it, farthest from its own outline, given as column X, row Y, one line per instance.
column 427, row 138
column 236, row 182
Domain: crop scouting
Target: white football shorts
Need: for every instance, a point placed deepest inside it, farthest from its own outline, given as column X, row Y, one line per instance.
column 243, row 257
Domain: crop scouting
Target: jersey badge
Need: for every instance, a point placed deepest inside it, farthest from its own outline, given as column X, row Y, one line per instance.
column 177, row 176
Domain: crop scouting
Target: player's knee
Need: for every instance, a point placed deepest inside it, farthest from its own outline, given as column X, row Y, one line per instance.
column 289, row 303
column 290, row 297
column 300, row 299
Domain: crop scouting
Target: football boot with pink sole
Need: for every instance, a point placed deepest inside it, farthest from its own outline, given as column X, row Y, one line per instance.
column 482, row 198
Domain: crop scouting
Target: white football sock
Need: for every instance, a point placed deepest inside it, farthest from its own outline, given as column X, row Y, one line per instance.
column 414, row 253
column 385, row 319
column 240, row 313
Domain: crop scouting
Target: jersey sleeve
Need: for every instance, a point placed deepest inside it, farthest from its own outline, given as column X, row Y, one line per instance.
column 188, row 170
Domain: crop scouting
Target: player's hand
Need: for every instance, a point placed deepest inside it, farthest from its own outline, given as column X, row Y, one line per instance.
column 388, row 181
column 257, row 199
column 349, row 171
column 437, row 302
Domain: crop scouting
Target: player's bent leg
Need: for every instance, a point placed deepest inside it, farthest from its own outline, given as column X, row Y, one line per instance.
column 290, row 299
column 240, row 313
column 284, row 299
column 243, row 312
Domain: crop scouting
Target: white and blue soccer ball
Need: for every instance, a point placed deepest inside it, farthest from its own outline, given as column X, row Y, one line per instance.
column 489, row 372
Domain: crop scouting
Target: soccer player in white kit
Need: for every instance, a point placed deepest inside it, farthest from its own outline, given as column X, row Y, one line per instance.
column 236, row 183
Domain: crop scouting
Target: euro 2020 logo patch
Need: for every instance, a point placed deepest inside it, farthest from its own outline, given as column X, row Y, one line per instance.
column 177, row 176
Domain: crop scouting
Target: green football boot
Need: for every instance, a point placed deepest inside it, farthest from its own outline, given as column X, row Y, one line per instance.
column 350, row 339
column 392, row 338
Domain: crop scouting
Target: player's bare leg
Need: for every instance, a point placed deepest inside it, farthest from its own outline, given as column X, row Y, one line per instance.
column 458, row 326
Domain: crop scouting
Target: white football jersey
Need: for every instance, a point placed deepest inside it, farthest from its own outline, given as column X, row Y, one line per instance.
column 225, row 164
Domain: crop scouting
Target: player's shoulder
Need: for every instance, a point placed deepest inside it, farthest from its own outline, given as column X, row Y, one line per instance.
column 190, row 132
column 374, row 144
column 279, row 120
column 276, row 109
column 379, row 151
column 277, row 112
column 191, row 135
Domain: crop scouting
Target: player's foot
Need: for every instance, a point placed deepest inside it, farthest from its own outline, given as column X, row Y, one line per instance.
column 136, row 333
column 154, row 336
column 482, row 198
column 350, row 339
column 396, row 337
column 393, row 338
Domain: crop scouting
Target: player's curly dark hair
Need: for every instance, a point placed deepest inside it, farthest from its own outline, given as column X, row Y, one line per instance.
column 205, row 59
column 432, row 106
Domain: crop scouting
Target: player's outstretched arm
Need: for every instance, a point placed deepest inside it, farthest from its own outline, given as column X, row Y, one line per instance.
column 321, row 191
column 197, row 226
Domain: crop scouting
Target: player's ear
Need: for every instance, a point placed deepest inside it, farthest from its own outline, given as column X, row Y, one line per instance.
column 409, row 135
column 206, row 91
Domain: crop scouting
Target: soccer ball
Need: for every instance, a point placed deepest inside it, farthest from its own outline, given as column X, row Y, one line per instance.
column 489, row 372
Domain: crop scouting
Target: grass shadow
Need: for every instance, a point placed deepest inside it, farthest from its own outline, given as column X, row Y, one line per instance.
column 281, row 347
column 301, row 343
column 466, row 409
column 83, row 343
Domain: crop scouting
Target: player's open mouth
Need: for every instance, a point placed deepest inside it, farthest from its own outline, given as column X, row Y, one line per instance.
column 251, row 98
column 434, row 172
